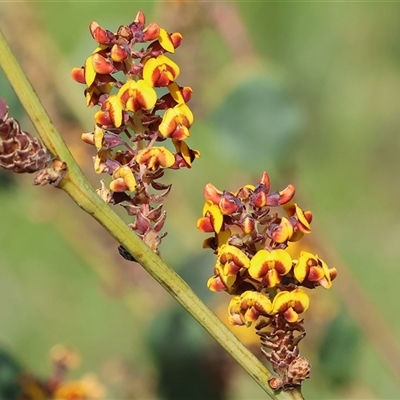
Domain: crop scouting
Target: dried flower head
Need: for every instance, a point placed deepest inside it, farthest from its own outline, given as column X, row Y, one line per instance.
column 20, row 152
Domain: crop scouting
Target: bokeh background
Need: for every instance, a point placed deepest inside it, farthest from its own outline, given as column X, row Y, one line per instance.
column 307, row 91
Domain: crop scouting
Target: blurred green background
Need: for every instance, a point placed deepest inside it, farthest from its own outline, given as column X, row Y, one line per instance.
column 307, row 91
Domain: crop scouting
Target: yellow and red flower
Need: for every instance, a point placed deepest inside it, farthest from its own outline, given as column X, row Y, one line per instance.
column 179, row 94
column 164, row 38
column 160, row 71
column 282, row 232
column 188, row 155
column 220, row 282
column 230, row 262
column 312, row 271
column 290, row 304
column 248, row 307
column 303, row 218
column 155, row 157
column 86, row 388
column 270, row 266
column 137, row 95
column 212, row 193
column 212, row 219
column 123, row 180
column 111, row 113
column 232, row 259
column 176, row 122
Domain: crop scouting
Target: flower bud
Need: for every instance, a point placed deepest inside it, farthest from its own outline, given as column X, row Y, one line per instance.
column 176, row 39
column 151, row 32
column 140, row 18
column 119, row 52
column 101, row 65
column 99, row 34
column 228, row 203
column 247, row 224
column 78, row 75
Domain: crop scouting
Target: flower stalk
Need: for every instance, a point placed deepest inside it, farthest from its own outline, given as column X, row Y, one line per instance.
column 75, row 184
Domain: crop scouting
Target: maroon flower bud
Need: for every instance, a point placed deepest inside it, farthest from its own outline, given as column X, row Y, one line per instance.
column 101, row 64
column 176, row 39
column 187, row 93
column 151, row 32
column 78, row 75
column 286, row 194
column 119, row 52
column 140, row 19
column 99, row 34
column 264, row 180
column 142, row 223
column 212, row 193
column 228, row 203
column 259, row 196
column 247, row 223
column 244, row 193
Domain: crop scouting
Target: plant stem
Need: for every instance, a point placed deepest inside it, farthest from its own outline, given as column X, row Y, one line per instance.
column 79, row 189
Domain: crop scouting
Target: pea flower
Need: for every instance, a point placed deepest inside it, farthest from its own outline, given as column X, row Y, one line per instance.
column 120, row 77
column 252, row 230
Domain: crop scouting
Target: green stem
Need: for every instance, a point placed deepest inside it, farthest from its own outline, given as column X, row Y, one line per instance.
column 80, row 190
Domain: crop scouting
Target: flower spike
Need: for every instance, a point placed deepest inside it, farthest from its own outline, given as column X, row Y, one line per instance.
column 132, row 116
column 253, row 265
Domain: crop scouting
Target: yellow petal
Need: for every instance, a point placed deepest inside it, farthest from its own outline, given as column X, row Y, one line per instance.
column 228, row 253
column 301, row 268
column 283, row 232
column 154, row 157
column 258, row 300
column 265, row 260
column 297, row 299
column 90, row 73
column 165, row 41
column 148, row 70
column 176, row 93
column 214, row 213
column 126, row 173
column 98, row 137
column 114, row 107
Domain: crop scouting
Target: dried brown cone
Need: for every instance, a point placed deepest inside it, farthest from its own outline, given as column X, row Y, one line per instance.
column 283, row 339
column 19, row 151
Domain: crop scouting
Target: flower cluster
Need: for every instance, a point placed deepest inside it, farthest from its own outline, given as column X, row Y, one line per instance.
column 131, row 79
column 253, row 265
